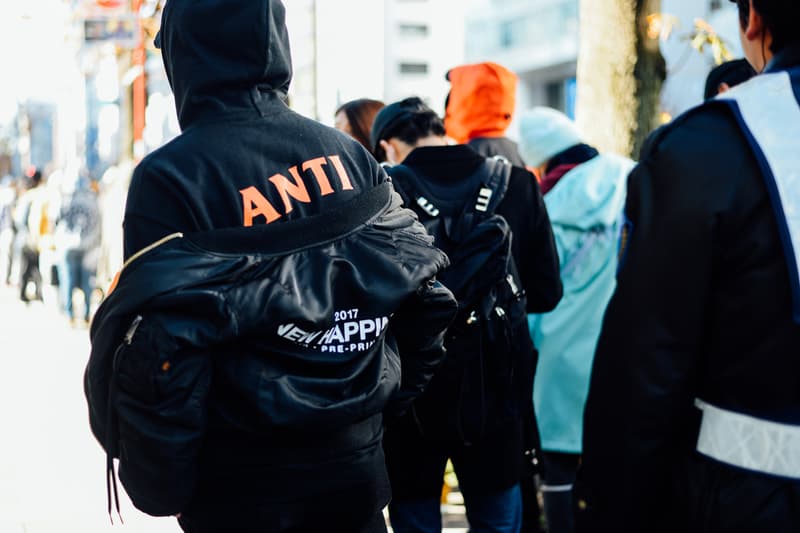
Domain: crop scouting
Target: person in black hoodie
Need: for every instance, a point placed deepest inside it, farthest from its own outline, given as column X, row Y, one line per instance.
column 488, row 463
column 273, row 274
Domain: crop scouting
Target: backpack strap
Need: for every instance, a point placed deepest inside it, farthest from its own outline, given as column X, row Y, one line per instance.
column 494, row 188
column 405, row 181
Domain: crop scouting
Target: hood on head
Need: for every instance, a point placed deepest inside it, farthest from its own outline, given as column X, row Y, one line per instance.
column 224, row 54
column 481, row 101
column 591, row 195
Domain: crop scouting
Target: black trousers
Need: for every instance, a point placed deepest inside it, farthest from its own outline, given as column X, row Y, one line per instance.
column 30, row 272
column 559, row 476
column 238, row 523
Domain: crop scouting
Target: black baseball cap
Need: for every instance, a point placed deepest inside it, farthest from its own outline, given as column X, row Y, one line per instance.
column 394, row 114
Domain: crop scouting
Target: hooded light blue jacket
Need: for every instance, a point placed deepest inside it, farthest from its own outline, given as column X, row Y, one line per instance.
column 585, row 209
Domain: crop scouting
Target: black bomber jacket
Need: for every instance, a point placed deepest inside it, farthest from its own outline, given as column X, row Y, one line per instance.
column 313, row 329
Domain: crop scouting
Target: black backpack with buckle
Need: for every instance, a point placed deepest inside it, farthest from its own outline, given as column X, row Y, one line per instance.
column 487, row 378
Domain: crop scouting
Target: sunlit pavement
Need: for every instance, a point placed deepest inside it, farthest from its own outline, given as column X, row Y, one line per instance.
column 52, row 470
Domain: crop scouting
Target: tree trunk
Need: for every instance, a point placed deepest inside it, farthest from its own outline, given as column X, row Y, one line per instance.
column 620, row 74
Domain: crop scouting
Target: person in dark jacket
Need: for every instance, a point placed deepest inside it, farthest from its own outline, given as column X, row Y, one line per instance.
column 692, row 422
column 241, row 366
column 480, row 107
column 584, row 192
column 488, row 468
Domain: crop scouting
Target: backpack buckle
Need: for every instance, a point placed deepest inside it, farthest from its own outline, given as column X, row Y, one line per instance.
column 427, row 206
column 484, row 197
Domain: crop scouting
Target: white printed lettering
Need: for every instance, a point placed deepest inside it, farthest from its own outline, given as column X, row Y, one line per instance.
column 350, row 329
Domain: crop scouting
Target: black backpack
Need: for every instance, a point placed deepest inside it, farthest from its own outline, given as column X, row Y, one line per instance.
column 487, row 378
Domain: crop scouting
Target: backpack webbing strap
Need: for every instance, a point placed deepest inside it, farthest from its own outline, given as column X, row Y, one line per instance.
column 495, row 186
column 404, row 180
column 491, row 192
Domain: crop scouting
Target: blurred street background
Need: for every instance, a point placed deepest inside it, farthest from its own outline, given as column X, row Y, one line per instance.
column 84, row 97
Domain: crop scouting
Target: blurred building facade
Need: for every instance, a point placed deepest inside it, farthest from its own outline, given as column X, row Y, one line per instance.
column 387, row 50
column 537, row 39
column 423, row 40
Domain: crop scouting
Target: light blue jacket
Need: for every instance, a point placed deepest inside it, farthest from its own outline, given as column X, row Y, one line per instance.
column 585, row 208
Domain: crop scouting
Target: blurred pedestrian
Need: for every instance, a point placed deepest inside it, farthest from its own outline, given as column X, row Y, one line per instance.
column 274, row 289
column 8, row 198
column 480, row 107
column 77, row 241
column 724, row 77
column 355, row 119
column 490, row 219
column 30, row 219
column 692, row 421
column 584, row 192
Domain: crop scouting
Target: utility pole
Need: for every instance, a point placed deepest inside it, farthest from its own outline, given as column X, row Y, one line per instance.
column 139, row 86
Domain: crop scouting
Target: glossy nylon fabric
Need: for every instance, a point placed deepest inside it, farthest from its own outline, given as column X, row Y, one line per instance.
column 220, row 56
column 203, row 308
column 481, row 102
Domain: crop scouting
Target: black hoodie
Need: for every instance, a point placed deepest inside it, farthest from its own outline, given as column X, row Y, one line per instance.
column 244, row 157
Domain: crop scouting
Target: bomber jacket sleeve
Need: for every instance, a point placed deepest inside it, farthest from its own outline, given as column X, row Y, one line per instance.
column 533, row 244
column 639, row 411
column 419, row 327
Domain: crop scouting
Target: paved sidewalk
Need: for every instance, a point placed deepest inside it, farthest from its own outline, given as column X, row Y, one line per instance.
column 52, row 471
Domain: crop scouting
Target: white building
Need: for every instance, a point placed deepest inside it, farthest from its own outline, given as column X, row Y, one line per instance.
column 423, row 40
column 537, row 39
column 387, row 50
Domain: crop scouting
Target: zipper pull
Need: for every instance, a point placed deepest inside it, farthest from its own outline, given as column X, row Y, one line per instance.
column 511, row 283
column 132, row 329
column 472, row 318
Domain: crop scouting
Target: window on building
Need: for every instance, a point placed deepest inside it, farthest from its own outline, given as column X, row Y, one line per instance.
column 555, row 94
column 715, row 5
column 413, row 68
column 507, row 34
column 414, row 30
column 514, row 32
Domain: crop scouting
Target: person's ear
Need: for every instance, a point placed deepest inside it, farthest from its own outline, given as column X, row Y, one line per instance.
column 391, row 151
column 755, row 25
column 723, row 88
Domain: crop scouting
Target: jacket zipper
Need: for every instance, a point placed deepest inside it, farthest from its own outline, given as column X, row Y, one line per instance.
column 146, row 249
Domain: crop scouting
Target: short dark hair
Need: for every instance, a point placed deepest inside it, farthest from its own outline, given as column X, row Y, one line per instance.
column 731, row 73
column 780, row 17
column 408, row 120
column 360, row 115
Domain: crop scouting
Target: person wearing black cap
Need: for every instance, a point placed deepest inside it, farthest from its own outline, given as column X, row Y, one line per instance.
column 692, row 422
column 274, row 291
column 441, row 182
